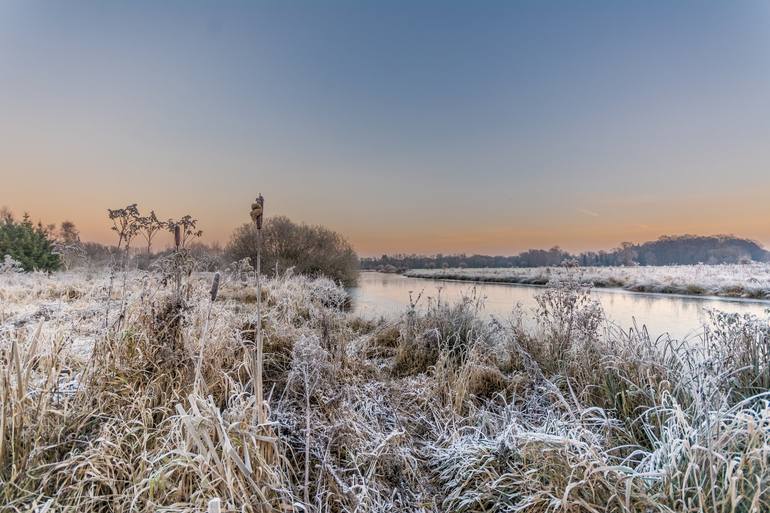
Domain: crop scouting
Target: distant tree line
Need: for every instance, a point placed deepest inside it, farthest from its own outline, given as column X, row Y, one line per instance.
column 667, row 250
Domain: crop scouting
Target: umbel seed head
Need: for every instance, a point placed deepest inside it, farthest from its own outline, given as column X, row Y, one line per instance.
column 257, row 210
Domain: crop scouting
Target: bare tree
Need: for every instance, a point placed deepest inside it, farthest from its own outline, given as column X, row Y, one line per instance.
column 6, row 216
column 68, row 233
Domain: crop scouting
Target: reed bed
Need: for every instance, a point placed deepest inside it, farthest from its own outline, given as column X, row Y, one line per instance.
column 438, row 410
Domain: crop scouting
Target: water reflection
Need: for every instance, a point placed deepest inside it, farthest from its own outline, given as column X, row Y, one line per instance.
column 380, row 294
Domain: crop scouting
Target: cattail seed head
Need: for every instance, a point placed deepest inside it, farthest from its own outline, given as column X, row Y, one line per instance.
column 257, row 210
column 215, row 287
column 177, row 236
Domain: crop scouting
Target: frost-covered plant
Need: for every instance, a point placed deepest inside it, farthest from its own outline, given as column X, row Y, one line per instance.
column 125, row 223
column 569, row 318
column 240, row 270
column 553, row 463
column 328, row 293
column 149, row 227
column 706, row 460
column 310, row 363
column 442, row 329
column 184, row 230
column 738, row 347
column 9, row 265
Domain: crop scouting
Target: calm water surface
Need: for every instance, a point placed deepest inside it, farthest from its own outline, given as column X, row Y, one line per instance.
column 380, row 294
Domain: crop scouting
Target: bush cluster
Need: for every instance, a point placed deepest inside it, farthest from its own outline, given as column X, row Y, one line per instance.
column 309, row 250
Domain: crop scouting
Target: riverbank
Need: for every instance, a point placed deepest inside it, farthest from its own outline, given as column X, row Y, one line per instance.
column 437, row 410
column 751, row 281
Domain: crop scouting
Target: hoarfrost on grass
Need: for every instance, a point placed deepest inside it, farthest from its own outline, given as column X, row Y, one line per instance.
column 436, row 411
column 727, row 280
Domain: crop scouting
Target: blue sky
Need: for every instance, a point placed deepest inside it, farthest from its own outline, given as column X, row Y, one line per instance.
column 408, row 126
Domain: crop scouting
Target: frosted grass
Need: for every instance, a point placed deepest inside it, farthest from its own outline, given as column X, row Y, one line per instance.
column 728, row 280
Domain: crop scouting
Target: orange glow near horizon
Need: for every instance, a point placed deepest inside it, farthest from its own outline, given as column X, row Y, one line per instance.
column 581, row 233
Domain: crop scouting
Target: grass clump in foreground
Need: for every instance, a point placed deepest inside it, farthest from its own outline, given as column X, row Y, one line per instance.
column 440, row 410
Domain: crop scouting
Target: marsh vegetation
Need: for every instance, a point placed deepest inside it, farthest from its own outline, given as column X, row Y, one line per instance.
column 726, row 280
column 439, row 409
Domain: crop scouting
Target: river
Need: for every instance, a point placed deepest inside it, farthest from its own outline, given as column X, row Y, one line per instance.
column 387, row 295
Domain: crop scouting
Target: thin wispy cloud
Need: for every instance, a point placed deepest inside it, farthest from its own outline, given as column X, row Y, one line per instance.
column 587, row 212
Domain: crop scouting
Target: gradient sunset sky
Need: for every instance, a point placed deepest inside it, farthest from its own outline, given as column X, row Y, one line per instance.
column 424, row 127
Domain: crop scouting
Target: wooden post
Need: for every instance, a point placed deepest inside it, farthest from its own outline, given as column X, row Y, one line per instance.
column 259, row 391
column 257, row 210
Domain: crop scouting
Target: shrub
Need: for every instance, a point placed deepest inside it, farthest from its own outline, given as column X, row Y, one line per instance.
column 28, row 244
column 309, row 250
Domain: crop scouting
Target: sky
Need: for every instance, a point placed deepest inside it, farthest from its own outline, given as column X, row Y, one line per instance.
column 478, row 127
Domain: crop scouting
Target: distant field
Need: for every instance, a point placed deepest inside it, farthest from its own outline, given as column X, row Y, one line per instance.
column 744, row 281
